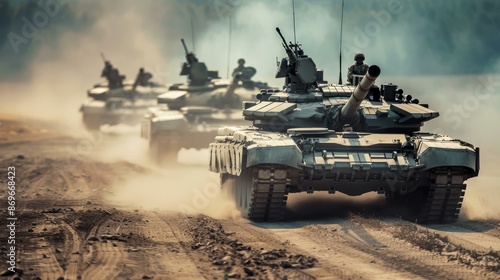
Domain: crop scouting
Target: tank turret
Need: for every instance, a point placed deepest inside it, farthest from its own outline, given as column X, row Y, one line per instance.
column 197, row 72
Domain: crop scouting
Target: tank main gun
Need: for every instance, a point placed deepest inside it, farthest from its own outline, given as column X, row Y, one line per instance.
column 291, row 55
column 349, row 110
column 103, row 58
column 190, row 57
column 229, row 95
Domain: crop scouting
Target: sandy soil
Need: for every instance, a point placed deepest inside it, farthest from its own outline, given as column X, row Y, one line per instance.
column 85, row 214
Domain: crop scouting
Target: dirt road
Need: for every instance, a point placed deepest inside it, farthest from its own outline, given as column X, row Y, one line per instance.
column 73, row 222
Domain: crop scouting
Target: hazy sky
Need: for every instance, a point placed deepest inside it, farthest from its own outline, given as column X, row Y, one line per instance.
column 50, row 53
column 402, row 36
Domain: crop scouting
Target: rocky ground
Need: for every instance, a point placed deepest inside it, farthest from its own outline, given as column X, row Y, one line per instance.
column 68, row 228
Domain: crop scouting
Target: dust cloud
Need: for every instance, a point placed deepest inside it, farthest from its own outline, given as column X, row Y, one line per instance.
column 186, row 189
column 65, row 66
column 468, row 107
column 132, row 35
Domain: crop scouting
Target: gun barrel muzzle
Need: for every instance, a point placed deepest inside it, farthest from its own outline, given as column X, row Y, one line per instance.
column 349, row 109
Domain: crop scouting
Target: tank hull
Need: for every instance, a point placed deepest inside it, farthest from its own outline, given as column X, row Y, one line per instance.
column 426, row 170
column 189, row 116
column 190, row 128
column 113, row 106
column 113, row 112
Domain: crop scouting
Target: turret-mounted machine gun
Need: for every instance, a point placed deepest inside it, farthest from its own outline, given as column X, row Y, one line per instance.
column 299, row 69
column 197, row 72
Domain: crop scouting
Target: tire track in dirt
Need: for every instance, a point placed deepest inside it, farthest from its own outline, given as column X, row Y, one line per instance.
column 256, row 237
column 466, row 237
column 105, row 263
column 74, row 260
column 432, row 254
column 47, row 265
column 334, row 258
column 104, row 255
column 349, row 247
column 169, row 258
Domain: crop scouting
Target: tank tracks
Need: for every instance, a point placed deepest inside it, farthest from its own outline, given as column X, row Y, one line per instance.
column 445, row 196
column 269, row 193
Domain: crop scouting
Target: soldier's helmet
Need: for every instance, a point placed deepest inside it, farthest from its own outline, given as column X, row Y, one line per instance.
column 241, row 61
column 359, row 56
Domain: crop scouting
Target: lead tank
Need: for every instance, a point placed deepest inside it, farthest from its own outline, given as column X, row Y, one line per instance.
column 189, row 114
column 352, row 139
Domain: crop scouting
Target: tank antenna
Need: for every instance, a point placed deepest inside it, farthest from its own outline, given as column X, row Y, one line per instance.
column 192, row 35
column 294, row 36
column 229, row 48
column 340, row 49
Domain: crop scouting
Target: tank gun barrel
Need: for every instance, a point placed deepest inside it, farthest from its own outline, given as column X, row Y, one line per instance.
column 103, row 58
column 184, row 45
column 349, row 109
column 289, row 51
column 231, row 88
column 190, row 57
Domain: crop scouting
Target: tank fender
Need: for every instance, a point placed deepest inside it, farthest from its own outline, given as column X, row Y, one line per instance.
column 444, row 151
column 289, row 155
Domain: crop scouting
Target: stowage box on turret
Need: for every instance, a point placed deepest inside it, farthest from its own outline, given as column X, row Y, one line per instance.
column 352, row 139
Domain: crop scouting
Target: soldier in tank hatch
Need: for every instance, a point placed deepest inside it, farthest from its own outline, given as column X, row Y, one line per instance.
column 112, row 75
column 244, row 73
column 142, row 78
column 358, row 68
column 241, row 67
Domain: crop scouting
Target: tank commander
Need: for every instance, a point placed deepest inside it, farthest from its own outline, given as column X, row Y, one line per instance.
column 358, row 68
column 142, row 78
column 241, row 67
column 112, row 75
column 244, row 73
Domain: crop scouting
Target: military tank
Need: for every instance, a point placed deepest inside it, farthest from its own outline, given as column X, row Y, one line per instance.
column 353, row 138
column 189, row 114
column 118, row 100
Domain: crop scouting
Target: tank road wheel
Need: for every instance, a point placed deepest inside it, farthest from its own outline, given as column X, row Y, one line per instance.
column 91, row 122
column 164, row 147
column 439, row 202
column 260, row 192
column 239, row 189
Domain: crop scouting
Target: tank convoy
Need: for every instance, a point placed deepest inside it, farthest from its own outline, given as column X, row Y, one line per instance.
column 189, row 114
column 118, row 100
column 354, row 138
